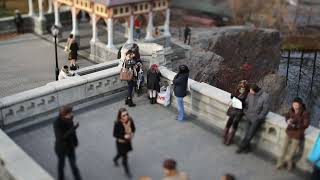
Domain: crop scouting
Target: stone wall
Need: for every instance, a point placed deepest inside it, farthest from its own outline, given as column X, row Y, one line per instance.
column 7, row 24
column 209, row 104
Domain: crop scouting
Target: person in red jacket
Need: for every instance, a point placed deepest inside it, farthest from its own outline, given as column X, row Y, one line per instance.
column 297, row 119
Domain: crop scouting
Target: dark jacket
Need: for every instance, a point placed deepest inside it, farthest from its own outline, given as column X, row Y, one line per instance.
column 65, row 134
column 153, row 80
column 180, row 83
column 257, row 106
column 18, row 20
column 74, row 50
column 119, row 133
column 299, row 125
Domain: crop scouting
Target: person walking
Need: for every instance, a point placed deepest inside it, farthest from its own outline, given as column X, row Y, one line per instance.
column 171, row 172
column 123, row 132
column 153, row 82
column 180, row 83
column 66, row 141
column 235, row 115
column 187, row 34
column 256, row 110
column 297, row 119
column 18, row 20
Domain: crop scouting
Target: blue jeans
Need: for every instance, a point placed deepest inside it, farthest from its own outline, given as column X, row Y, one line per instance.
column 180, row 108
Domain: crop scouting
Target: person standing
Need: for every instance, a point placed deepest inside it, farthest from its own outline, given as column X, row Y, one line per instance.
column 18, row 20
column 64, row 73
column 256, row 110
column 171, row 172
column 123, row 132
column 131, row 65
column 180, row 83
column 66, row 141
column 187, row 34
column 235, row 115
column 74, row 47
column 297, row 119
column 153, row 82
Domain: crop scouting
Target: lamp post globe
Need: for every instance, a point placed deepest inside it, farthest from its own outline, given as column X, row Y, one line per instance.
column 55, row 33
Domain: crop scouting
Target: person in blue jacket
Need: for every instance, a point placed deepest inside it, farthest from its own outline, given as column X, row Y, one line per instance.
column 180, row 83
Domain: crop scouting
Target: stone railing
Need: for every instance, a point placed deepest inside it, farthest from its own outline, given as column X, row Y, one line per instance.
column 209, row 105
column 16, row 164
column 42, row 103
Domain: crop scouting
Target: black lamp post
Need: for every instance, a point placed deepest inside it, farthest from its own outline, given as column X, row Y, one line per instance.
column 55, row 32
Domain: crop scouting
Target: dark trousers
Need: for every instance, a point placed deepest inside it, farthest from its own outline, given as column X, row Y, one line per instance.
column 187, row 39
column 130, row 88
column 316, row 173
column 124, row 161
column 19, row 28
column 234, row 121
column 72, row 161
column 251, row 130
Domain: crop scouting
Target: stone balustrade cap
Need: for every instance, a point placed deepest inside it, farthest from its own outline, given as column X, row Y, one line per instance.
column 26, row 95
column 213, row 92
column 102, row 74
column 68, row 83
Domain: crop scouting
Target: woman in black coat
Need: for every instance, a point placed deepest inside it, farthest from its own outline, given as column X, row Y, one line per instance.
column 153, row 82
column 180, row 83
column 123, row 131
column 73, row 56
column 66, row 141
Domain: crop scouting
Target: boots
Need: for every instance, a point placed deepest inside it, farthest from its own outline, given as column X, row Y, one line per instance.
column 230, row 136
column 127, row 101
column 130, row 103
column 154, row 100
column 225, row 135
column 151, row 100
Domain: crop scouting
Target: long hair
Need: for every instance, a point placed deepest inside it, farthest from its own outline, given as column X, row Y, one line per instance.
column 121, row 110
column 299, row 101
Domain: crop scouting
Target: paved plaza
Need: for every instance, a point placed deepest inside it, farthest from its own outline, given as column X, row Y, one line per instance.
column 28, row 61
column 197, row 150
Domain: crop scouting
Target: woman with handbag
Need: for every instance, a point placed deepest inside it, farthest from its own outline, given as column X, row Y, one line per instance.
column 298, row 121
column 235, row 115
column 153, row 83
column 123, row 131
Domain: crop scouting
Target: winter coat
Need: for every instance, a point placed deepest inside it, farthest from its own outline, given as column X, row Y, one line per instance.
column 65, row 134
column 257, row 106
column 299, row 125
column 180, row 83
column 74, row 50
column 153, row 80
column 119, row 132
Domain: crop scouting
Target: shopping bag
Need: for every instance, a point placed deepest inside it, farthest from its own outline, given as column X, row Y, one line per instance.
column 315, row 152
column 164, row 96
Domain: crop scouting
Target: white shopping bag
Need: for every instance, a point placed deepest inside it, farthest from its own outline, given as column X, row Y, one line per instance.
column 164, row 96
column 236, row 103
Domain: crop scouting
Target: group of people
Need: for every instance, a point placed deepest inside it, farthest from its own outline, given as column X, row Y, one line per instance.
column 71, row 50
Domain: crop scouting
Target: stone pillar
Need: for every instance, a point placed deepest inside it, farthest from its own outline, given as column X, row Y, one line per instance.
column 167, row 23
column 94, row 28
column 131, row 26
column 31, row 10
column 150, row 27
column 110, row 34
column 75, row 30
column 50, row 6
column 41, row 15
column 56, row 14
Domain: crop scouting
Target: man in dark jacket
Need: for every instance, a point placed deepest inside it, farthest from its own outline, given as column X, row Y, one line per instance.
column 187, row 34
column 18, row 21
column 180, row 83
column 256, row 110
column 66, row 142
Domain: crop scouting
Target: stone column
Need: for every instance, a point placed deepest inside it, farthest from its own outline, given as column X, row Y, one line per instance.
column 31, row 10
column 75, row 30
column 56, row 14
column 110, row 33
column 94, row 28
column 150, row 27
column 41, row 15
column 131, row 29
column 167, row 23
column 50, row 6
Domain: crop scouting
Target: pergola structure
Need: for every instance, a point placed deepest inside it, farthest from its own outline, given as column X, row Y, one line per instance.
column 109, row 10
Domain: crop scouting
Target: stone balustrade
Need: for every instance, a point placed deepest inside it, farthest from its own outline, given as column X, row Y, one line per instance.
column 46, row 99
column 210, row 104
column 14, row 162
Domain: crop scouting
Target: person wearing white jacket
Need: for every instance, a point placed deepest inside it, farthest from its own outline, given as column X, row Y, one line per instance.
column 64, row 73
